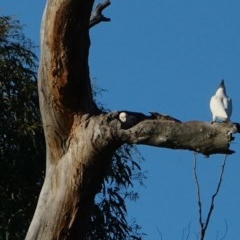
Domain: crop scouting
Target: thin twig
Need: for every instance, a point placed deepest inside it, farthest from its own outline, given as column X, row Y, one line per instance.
column 198, row 197
column 97, row 15
column 226, row 231
column 216, row 193
column 188, row 232
column 203, row 227
column 159, row 232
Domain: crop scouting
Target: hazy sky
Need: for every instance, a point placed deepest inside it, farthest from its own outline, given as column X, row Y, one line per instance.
column 168, row 56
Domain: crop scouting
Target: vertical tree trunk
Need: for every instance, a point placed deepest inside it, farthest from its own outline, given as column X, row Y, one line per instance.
column 72, row 179
column 67, row 196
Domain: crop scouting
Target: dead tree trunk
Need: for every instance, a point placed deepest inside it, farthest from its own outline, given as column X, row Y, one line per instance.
column 81, row 140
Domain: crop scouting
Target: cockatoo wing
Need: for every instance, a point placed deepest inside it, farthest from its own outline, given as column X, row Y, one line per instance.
column 229, row 107
column 217, row 107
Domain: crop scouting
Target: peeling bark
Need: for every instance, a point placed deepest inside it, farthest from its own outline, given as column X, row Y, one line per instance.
column 81, row 140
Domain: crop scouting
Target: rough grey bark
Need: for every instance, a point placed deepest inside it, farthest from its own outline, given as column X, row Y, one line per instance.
column 81, row 140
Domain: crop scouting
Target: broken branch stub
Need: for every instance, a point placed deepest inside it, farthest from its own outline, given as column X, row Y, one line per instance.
column 97, row 16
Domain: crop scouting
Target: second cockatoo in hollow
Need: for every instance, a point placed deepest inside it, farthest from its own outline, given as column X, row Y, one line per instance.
column 221, row 105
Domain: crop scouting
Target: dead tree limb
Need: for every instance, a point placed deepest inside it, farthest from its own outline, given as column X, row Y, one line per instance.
column 167, row 132
column 97, row 15
column 204, row 225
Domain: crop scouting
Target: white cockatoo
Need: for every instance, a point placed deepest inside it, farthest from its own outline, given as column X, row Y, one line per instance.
column 221, row 104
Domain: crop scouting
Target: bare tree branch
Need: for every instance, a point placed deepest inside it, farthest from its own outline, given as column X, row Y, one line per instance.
column 159, row 232
column 187, row 231
column 97, row 15
column 226, row 231
column 167, row 132
column 199, row 198
column 204, row 226
column 216, row 192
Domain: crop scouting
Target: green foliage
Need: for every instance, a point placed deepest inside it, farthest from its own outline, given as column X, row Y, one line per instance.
column 109, row 220
column 21, row 135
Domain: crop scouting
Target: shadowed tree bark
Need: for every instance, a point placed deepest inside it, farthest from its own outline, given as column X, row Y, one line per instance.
column 80, row 139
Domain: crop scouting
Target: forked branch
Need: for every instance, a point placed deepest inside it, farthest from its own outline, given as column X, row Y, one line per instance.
column 97, row 15
column 204, row 226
